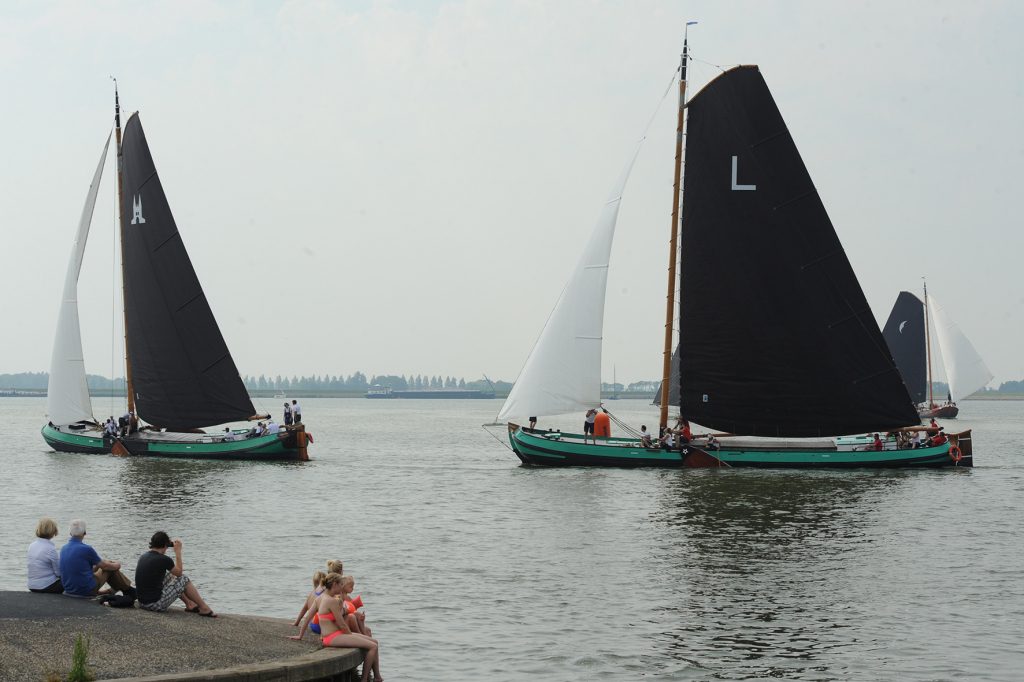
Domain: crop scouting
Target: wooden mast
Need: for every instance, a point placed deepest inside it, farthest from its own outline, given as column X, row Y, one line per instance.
column 129, row 386
column 928, row 346
column 670, row 302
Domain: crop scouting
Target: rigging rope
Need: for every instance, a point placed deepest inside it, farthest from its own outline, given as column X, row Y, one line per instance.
column 622, row 425
column 496, row 438
column 717, row 66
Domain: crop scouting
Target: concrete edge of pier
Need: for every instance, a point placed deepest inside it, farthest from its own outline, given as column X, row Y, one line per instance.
column 38, row 633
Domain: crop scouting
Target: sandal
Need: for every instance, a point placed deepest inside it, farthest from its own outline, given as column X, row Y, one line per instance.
column 194, row 609
column 208, row 614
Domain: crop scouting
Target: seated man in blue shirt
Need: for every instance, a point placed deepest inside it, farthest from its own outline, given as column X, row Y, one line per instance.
column 83, row 572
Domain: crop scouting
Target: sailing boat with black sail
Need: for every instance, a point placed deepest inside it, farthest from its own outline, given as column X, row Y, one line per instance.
column 777, row 346
column 180, row 376
column 908, row 335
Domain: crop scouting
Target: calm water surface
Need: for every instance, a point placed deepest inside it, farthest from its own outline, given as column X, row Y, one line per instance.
column 474, row 567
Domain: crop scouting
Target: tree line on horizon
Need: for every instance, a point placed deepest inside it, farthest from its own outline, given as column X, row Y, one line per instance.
column 358, row 381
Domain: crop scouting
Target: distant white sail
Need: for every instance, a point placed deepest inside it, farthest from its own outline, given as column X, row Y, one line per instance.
column 563, row 372
column 965, row 370
column 67, row 399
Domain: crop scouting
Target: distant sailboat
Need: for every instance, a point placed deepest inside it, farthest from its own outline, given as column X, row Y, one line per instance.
column 776, row 342
column 180, row 374
column 908, row 335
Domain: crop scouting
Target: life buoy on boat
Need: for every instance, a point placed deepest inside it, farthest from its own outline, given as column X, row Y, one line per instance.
column 955, row 454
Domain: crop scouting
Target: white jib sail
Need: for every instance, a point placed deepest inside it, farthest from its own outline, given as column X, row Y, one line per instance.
column 563, row 372
column 67, row 398
column 965, row 370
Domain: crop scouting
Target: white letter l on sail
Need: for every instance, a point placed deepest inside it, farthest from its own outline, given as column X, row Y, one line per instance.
column 734, row 185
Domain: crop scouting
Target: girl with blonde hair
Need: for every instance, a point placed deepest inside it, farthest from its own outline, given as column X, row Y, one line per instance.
column 356, row 620
column 309, row 605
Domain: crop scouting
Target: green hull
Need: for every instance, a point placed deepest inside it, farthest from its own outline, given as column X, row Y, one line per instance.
column 275, row 447
column 564, row 449
column 89, row 442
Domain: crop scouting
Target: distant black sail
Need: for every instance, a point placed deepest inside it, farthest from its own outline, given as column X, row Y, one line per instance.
column 183, row 375
column 776, row 337
column 673, row 386
column 904, row 333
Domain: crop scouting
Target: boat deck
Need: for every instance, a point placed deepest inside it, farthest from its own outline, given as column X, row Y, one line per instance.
column 177, row 437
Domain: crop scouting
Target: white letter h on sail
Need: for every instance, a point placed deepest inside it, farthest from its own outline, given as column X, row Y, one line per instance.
column 137, row 200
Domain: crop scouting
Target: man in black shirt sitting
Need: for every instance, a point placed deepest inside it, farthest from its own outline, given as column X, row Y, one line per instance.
column 160, row 581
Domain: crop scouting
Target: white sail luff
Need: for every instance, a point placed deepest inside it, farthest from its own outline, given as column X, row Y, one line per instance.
column 966, row 372
column 563, row 372
column 67, row 399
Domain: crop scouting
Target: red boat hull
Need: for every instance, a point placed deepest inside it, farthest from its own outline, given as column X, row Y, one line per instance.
column 949, row 411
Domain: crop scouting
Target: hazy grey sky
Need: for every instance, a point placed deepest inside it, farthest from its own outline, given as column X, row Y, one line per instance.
column 403, row 186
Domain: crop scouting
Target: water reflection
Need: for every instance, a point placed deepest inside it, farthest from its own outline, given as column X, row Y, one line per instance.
column 760, row 558
column 172, row 484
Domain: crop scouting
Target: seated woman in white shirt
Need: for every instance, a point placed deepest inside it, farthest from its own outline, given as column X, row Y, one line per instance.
column 43, row 560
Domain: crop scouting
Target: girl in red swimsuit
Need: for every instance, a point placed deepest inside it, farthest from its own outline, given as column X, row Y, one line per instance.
column 334, row 632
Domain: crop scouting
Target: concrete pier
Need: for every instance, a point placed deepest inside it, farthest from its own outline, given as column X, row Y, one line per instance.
column 38, row 631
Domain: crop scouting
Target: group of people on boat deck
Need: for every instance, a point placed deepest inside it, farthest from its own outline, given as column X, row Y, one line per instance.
column 907, row 440
column 331, row 611
column 124, row 425
column 77, row 570
column 672, row 437
column 292, row 415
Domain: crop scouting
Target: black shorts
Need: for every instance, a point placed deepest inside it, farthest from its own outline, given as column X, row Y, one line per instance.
column 588, row 427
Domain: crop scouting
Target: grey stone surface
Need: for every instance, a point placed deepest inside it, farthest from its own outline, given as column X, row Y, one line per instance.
column 37, row 636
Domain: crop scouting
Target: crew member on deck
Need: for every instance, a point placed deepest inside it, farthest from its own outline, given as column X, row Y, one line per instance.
column 685, row 435
column 588, row 425
column 296, row 412
column 287, row 414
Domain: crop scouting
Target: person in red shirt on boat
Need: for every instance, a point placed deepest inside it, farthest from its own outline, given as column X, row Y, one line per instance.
column 683, row 430
column 938, row 439
column 877, row 445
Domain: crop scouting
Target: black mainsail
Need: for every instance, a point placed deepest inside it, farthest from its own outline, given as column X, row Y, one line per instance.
column 183, row 374
column 776, row 337
column 904, row 333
